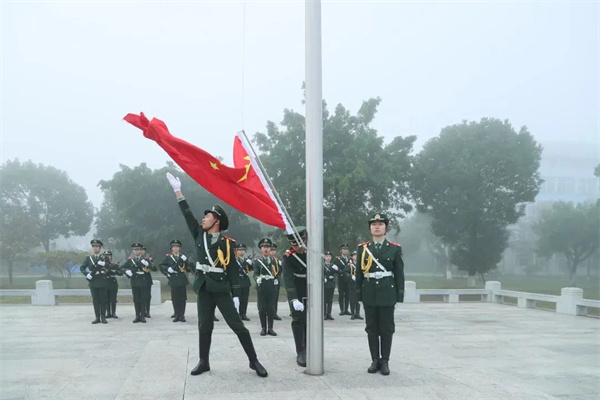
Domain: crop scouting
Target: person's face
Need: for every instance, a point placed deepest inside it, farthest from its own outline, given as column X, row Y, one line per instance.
column 210, row 220
column 328, row 258
column 354, row 257
column 96, row 249
column 265, row 250
column 137, row 252
column 377, row 228
column 272, row 252
column 175, row 249
column 344, row 252
column 240, row 253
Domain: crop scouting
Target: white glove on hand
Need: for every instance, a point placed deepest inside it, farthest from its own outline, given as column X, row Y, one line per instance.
column 101, row 263
column 183, row 257
column 171, row 270
column 175, row 182
column 88, row 277
column 335, row 268
column 353, row 278
column 298, row 306
column 145, row 262
column 249, row 261
column 129, row 273
column 258, row 281
column 236, row 303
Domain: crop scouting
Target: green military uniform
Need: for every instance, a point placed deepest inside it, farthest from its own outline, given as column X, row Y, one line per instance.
column 352, row 297
column 112, row 272
column 280, row 280
column 266, row 274
column 329, row 287
column 138, row 269
column 244, row 268
column 94, row 268
column 175, row 267
column 343, row 272
column 149, row 281
column 217, row 278
column 294, row 267
column 380, row 285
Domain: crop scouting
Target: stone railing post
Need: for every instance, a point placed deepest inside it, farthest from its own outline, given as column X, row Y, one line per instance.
column 566, row 304
column 44, row 294
column 410, row 292
column 155, row 293
column 493, row 286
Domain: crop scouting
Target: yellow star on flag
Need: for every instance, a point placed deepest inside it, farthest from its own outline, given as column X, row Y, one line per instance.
column 214, row 165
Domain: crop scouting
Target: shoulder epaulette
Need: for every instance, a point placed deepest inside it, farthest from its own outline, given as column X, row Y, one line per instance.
column 228, row 238
column 365, row 243
column 289, row 252
column 394, row 244
column 130, row 258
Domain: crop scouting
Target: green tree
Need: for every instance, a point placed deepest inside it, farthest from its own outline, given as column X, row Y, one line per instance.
column 139, row 206
column 16, row 235
column 53, row 204
column 361, row 174
column 474, row 180
column 63, row 262
column 571, row 230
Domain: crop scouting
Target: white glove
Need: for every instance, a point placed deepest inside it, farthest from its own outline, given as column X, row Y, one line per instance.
column 335, row 267
column 145, row 262
column 88, row 277
column 298, row 306
column 258, row 280
column 353, row 278
column 171, row 270
column 175, row 182
column 236, row 303
column 249, row 261
column 129, row 273
column 183, row 257
column 101, row 263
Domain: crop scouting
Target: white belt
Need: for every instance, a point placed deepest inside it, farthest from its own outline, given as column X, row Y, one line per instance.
column 207, row 268
column 379, row 274
column 300, row 275
column 266, row 277
column 140, row 272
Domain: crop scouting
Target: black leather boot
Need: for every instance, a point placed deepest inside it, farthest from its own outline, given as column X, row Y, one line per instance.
column 182, row 311
column 260, row 370
column 375, row 366
column 357, row 315
column 386, row 349
column 298, row 332
column 136, row 305
column 97, row 313
column 270, row 330
column 263, row 323
column 203, row 366
column 103, row 313
column 374, row 349
column 114, row 309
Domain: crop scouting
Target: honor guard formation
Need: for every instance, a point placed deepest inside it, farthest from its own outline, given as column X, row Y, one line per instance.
column 222, row 273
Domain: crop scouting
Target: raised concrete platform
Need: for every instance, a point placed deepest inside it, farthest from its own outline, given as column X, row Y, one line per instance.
column 440, row 351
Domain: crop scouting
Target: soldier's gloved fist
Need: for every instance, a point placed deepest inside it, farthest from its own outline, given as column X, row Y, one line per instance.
column 101, row 263
column 353, row 278
column 171, row 270
column 236, row 303
column 258, row 281
column 145, row 262
column 335, row 267
column 129, row 273
column 298, row 306
column 249, row 261
column 88, row 277
column 175, row 182
column 183, row 257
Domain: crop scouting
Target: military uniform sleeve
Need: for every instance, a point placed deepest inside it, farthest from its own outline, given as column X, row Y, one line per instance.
column 191, row 221
column 84, row 266
column 164, row 265
column 288, row 279
column 117, row 269
column 232, row 272
column 399, row 275
column 255, row 269
column 359, row 274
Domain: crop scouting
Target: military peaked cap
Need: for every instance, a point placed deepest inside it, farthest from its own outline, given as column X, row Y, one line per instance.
column 175, row 242
column 218, row 212
column 137, row 245
column 240, row 246
column 96, row 242
column 265, row 242
column 379, row 218
column 301, row 233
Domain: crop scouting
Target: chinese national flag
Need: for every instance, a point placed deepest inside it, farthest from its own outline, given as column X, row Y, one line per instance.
column 241, row 187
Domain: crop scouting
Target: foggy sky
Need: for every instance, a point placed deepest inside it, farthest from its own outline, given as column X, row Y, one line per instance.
column 71, row 71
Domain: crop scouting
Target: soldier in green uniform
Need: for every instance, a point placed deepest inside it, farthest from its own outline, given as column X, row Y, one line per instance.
column 244, row 268
column 138, row 271
column 175, row 267
column 280, row 279
column 149, row 280
column 266, row 274
column 352, row 298
column 112, row 270
column 380, row 285
column 329, row 285
column 294, row 267
column 343, row 269
column 216, row 280
column 93, row 269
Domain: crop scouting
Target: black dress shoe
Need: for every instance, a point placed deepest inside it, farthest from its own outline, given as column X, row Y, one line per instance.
column 136, row 320
column 177, row 319
column 104, row 321
column 260, row 370
column 263, row 332
column 385, row 368
column 245, row 318
column 277, row 317
column 182, row 319
column 271, row 332
column 301, row 359
column 142, row 319
column 375, row 366
column 96, row 321
column 203, row 366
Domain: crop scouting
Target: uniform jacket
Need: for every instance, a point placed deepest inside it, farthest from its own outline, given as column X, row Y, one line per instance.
column 179, row 265
column 294, row 275
column 90, row 265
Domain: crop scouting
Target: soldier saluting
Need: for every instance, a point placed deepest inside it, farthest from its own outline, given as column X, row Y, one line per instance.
column 216, row 280
column 93, row 269
column 380, row 285
column 175, row 267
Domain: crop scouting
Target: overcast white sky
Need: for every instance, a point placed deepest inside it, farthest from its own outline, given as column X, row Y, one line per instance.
column 72, row 70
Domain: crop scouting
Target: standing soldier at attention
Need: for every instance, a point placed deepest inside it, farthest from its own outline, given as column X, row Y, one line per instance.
column 112, row 285
column 148, row 278
column 217, row 278
column 280, row 279
column 266, row 273
column 380, row 285
column 175, row 267
column 137, row 269
column 93, row 269
column 329, row 285
column 343, row 269
column 294, row 267
column 352, row 296
column 244, row 268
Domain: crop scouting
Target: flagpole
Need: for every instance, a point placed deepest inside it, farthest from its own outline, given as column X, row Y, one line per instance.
column 314, row 186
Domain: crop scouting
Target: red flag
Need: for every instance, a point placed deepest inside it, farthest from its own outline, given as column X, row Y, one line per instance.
column 240, row 187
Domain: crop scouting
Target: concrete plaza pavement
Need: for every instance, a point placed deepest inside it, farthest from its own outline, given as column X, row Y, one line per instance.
column 440, row 351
